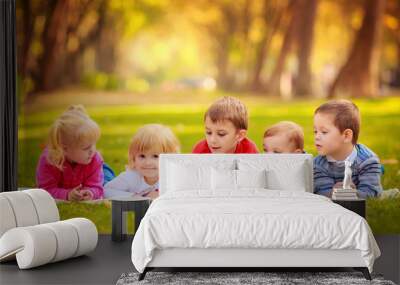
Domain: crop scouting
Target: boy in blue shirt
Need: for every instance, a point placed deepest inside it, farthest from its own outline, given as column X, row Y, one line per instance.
column 336, row 130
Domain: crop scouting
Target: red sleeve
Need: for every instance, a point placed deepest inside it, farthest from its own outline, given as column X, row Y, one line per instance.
column 246, row 146
column 201, row 147
column 94, row 180
column 252, row 147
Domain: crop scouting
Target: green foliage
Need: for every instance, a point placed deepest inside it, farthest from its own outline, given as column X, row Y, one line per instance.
column 137, row 85
column 112, row 82
column 133, row 16
column 102, row 81
column 380, row 119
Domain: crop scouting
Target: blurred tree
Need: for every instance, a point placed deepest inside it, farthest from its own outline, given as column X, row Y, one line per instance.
column 272, row 14
column 299, row 35
column 392, row 25
column 231, row 28
column 305, row 40
column 106, row 40
column 53, row 41
column 83, row 32
column 245, row 44
column 359, row 76
column 55, row 37
column 223, row 35
column 25, row 27
column 274, row 82
column 52, row 38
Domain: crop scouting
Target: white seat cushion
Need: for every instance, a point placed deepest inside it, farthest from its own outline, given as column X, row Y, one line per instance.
column 31, row 232
column 26, row 208
column 40, row 244
column 45, row 205
column 23, row 208
column 7, row 220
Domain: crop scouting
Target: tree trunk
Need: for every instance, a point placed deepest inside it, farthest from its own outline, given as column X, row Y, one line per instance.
column 223, row 42
column 274, row 82
column 359, row 75
column 263, row 49
column 27, row 36
column 222, row 63
column 53, row 39
column 304, row 49
column 245, row 18
column 105, row 42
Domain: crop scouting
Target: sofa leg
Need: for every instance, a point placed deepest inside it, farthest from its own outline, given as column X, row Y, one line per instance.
column 364, row 271
column 143, row 274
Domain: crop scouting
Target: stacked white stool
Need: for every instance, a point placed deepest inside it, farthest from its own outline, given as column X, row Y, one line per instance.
column 31, row 230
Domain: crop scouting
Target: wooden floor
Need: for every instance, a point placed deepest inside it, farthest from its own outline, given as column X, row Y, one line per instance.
column 102, row 266
column 111, row 259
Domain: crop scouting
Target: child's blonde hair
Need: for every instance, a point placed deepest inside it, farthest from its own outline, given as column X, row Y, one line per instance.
column 293, row 131
column 228, row 108
column 154, row 138
column 74, row 127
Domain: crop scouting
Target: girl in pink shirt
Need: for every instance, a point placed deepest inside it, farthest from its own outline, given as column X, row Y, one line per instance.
column 70, row 168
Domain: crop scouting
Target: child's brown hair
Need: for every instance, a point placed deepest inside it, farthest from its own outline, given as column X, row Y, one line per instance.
column 345, row 116
column 228, row 108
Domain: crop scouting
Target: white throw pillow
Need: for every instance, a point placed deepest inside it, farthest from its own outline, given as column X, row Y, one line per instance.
column 279, row 180
column 251, row 178
column 181, row 177
column 223, row 179
column 226, row 179
column 284, row 172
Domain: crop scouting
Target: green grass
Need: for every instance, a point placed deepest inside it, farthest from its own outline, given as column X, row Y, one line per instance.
column 118, row 122
column 100, row 214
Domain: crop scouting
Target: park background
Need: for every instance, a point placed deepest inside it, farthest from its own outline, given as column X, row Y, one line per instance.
column 165, row 61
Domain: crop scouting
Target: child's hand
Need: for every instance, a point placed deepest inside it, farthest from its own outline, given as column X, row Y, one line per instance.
column 145, row 192
column 340, row 185
column 152, row 195
column 86, row 194
column 74, row 194
column 328, row 194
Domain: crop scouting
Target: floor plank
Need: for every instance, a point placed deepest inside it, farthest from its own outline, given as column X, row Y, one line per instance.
column 111, row 259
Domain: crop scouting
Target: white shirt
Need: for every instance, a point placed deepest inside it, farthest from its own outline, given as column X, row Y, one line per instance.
column 128, row 183
column 352, row 156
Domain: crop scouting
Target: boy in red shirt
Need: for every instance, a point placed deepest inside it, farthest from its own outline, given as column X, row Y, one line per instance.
column 226, row 123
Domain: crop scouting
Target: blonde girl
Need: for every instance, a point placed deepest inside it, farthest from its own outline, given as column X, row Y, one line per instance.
column 141, row 175
column 70, row 168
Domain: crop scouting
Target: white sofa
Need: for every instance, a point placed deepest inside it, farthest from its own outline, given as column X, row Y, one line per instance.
column 31, row 231
column 247, row 210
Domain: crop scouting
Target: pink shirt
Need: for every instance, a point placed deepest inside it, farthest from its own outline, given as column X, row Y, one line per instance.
column 59, row 183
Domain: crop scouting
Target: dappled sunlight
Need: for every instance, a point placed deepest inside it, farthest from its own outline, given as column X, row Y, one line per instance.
column 131, row 63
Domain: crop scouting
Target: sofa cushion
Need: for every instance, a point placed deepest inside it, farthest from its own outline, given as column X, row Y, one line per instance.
column 40, row 244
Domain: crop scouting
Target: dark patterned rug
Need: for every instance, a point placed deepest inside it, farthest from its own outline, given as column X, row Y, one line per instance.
column 225, row 278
